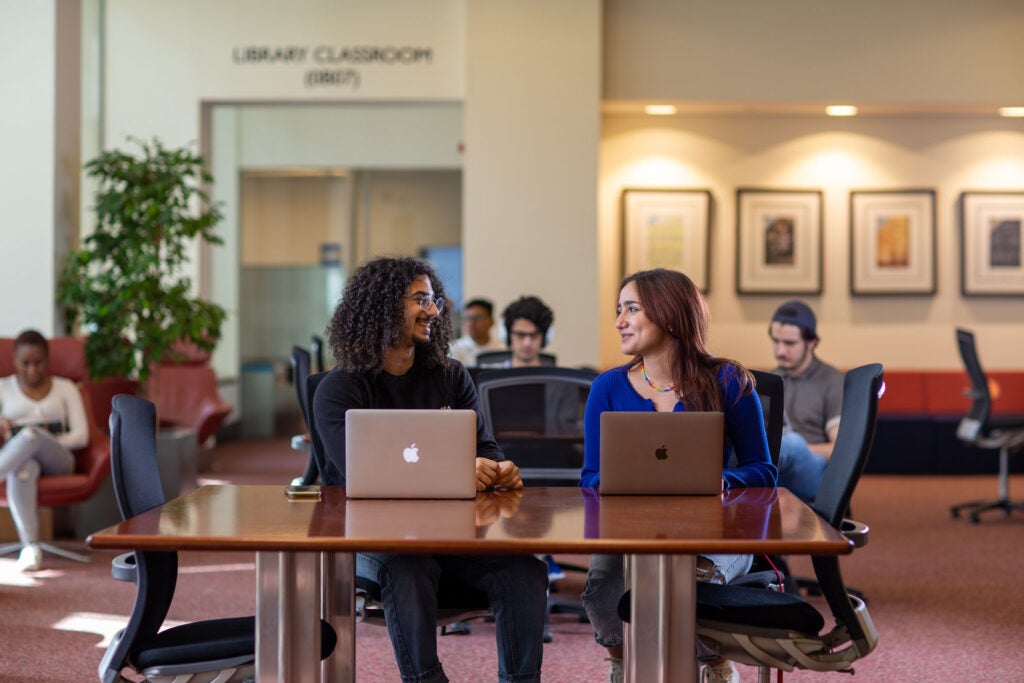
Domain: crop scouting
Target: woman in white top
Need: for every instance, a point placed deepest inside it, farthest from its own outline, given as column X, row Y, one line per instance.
column 42, row 419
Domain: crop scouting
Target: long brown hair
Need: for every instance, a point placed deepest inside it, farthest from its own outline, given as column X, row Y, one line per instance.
column 672, row 302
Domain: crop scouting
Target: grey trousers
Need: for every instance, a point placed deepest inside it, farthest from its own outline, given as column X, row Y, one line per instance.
column 30, row 453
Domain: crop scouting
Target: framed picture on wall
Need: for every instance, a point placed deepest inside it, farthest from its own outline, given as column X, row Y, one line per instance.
column 892, row 242
column 668, row 228
column 778, row 241
column 991, row 253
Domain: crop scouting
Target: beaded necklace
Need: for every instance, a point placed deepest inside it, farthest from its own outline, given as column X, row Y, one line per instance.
column 652, row 385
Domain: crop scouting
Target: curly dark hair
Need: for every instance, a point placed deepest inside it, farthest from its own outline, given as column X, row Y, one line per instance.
column 529, row 308
column 371, row 314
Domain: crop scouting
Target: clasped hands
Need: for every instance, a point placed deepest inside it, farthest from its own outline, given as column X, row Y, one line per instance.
column 497, row 475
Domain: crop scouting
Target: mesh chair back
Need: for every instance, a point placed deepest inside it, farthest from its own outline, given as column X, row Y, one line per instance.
column 316, row 347
column 136, row 478
column 316, row 445
column 135, row 473
column 538, row 401
column 981, row 401
column 500, row 356
column 536, row 416
column 861, row 388
column 770, row 388
column 301, row 364
column 300, row 374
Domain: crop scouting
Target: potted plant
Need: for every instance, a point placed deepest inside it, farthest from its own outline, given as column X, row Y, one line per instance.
column 125, row 285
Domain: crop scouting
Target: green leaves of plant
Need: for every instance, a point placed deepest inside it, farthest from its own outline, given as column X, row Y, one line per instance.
column 125, row 285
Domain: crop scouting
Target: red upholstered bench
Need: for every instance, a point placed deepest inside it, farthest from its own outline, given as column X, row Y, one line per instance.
column 918, row 416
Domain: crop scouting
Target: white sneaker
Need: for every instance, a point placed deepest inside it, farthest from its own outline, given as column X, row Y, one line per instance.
column 723, row 672
column 614, row 669
column 30, row 559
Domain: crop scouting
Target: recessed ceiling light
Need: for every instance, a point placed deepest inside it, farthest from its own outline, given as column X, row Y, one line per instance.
column 841, row 110
column 660, row 109
column 1011, row 111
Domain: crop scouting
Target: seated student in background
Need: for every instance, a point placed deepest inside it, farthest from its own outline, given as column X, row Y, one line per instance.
column 390, row 336
column 813, row 392
column 662, row 322
column 42, row 419
column 527, row 323
column 477, row 321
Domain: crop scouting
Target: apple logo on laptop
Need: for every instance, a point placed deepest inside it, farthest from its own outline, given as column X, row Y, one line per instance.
column 661, row 453
column 411, row 454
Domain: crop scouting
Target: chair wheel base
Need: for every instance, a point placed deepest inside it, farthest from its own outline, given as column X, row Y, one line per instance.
column 976, row 508
column 47, row 548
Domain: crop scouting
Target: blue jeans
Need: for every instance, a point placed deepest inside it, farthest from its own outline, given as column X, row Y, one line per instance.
column 606, row 583
column 800, row 468
column 516, row 586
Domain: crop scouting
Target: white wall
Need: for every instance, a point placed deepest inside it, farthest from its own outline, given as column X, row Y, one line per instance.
column 948, row 154
column 364, row 135
column 532, row 135
column 164, row 58
column 29, row 171
column 910, row 51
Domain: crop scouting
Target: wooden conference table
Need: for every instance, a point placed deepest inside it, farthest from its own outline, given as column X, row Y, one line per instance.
column 304, row 554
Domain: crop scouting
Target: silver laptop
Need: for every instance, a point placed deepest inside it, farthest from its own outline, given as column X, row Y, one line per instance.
column 661, row 453
column 410, row 453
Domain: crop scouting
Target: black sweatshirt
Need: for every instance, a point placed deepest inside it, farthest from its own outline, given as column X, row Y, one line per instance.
column 449, row 387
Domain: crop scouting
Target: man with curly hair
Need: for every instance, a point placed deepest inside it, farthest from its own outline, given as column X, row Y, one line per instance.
column 390, row 335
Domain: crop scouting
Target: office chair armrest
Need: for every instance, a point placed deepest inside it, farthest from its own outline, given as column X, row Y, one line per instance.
column 123, row 567
column 855, row 531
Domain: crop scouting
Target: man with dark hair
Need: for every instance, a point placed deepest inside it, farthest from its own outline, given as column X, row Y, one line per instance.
column 528, row 328
column 813, row 399
column 477, row 320
column 390, row 335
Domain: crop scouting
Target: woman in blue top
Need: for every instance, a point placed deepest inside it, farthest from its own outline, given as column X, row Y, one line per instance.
column 662, row 322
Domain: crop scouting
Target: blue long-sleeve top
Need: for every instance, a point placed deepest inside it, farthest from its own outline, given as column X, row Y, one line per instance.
column 744, row 428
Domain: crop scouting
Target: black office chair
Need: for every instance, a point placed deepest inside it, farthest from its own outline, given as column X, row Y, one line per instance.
column 536, row 416
column 316, row 349
column 770, row 388
column 492, row 358
column 980, row 428
column 456, row 601
column 220, row 649
column 772, row 629
column 301, row 361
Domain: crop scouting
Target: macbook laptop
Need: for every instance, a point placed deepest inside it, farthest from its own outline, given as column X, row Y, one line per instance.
column 410, row 453
column 661, row 453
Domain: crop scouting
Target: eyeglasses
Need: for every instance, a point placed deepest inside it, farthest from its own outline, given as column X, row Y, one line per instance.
column 426, row 301
column 523, row 336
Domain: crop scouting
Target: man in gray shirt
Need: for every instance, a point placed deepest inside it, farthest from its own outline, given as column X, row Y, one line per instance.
column 813, row 399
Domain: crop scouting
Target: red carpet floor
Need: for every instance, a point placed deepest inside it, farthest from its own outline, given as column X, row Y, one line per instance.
column 945, row 596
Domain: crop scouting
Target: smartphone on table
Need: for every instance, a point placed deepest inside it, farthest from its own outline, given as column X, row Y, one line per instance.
column 302, row 491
